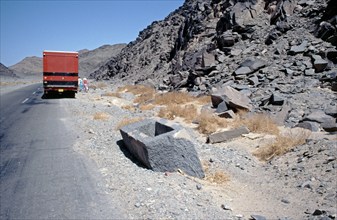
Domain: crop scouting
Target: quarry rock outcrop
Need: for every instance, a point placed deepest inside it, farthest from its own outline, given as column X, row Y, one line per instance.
column 274, row 52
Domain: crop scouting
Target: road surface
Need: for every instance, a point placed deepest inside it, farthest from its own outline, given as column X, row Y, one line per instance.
column 41, row 176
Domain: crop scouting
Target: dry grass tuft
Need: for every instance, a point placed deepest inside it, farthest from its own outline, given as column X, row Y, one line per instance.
column 210, row 123
column 126, row 121
column 143, row 93
column 136, row 89
column 130, row 108
column 218, row 177
column 98, row 85
column 282, row 144
column 144, row 98
column 170, row 98
column 171, row 111
column 112, row 94
column 203, row 100
column 258, row 123
column 146, row 107
column 101, row 116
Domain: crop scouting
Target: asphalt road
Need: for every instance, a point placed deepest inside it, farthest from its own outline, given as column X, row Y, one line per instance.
column 41, row 176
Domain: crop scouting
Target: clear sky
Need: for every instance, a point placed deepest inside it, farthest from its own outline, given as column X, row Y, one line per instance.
column 29, row 27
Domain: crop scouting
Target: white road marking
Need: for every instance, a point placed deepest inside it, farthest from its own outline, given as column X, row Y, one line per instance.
column 25, row 100
column 34, row 93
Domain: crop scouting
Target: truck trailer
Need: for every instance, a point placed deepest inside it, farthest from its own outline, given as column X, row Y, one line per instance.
column 60, row 72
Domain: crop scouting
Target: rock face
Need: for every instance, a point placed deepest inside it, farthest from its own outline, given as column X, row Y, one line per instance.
column 204, row 44
column 161, row 147
column 266, row 50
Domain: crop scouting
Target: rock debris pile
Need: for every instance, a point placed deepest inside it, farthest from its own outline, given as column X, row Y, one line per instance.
column 280, row 54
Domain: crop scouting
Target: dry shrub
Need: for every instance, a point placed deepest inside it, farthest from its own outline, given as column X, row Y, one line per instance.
column 218, row 177
column 146, row 107
column 144, row 93
column 112, row 94
column 130, row 108
column 144, row 97
column 283, row 144
column 209, row 123
column 99, row 85
column 202, row 100
column 258, row 123
column 101, row 116
column 188, row 112
column 126, row 121
column 136, row 89
column 173, row 98
column 205, row 166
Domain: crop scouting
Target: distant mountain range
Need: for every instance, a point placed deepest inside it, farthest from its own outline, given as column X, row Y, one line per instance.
column 90, row 61
column 6, row 72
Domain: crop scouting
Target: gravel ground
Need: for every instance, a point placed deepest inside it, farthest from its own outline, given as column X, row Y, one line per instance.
column 298, row 185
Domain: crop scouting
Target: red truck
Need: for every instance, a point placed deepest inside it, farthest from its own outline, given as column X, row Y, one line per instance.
column 60, row 72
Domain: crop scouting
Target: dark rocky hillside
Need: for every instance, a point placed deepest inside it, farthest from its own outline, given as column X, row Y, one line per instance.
column 280, row 54
column 6, row 72
column 205, row 43
column 90, row 60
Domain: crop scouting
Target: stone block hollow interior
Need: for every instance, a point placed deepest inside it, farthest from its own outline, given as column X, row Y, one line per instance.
column 154, row 129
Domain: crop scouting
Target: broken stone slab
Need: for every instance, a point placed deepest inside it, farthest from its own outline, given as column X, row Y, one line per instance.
column 276, row 99
column 254, row 80
column 222, row 107
column 320, row 117
column 227, row 114
column 281, row 116
column 319, row 63
column 233, row 98
column 258, row 217
column 227, row 135
column 309, row 72
column 253, row 64
column 227, row 39
column 242, row 71
column 309, row 125
column 208, row 60
column 298, row 48
column 329, row 126
column 235, row 52
column 162, row 147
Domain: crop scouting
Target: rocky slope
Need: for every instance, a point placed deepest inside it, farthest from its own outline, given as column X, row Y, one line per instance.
column 6, row 72
column 203, row 43
column 29, row 66
column 268, row 50
column 89, row 61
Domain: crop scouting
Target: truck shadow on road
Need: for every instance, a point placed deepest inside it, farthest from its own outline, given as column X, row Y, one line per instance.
column 57, row 96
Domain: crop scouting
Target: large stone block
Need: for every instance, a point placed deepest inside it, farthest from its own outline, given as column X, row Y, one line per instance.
column 233, row 98
column 227, row 135
column 162, row 147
